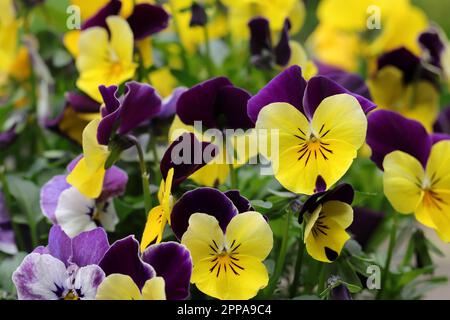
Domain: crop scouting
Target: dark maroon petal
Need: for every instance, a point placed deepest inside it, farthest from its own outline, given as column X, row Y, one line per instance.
column 283, row 50
column 140, row 103
column 431, row 42
column 436, row 137
column 147, row 19
column 239, row 201
column 99, row 19
column 199, row 102
column 59, row 244
column 389, row 131
column 402, row 59
column 123, row 257
column 350, row 81
column 114, row 183
column 320, row 87
column 365, row 223
column 82, row 103
column 232, row 103
column 289, row 86
column 89, row 247
column 442, row 124
column 173, row 262
column 201, row 200
column 198, row 16
column 186, row 156
column 260, row 38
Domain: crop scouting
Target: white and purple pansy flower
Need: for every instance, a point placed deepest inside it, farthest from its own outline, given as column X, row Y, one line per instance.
column 66, row 269
column 66, row 206
column 163, row 271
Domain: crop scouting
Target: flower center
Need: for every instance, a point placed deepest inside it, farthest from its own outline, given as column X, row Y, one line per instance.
column 313, row 146
column 71, row 295
column 432, row 199
column 225, row 260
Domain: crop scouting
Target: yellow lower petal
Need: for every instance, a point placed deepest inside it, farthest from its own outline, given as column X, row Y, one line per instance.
column 118, row 287
column 154, row 289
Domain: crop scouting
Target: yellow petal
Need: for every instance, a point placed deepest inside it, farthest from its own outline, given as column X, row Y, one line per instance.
column 154, row 289
column 338, row 211
column 255, row 241
column 118, row 287
column 121, row 38
column 437, row 169
column 70, row 40
column 154, row 227
column 402, row 180
column 211, row 175
column 203, row 232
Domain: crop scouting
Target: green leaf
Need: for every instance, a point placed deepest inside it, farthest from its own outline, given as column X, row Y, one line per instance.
column 7, row 267
column 26, row 193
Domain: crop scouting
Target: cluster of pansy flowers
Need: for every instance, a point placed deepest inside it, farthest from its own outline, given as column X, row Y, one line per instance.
column 323, row 117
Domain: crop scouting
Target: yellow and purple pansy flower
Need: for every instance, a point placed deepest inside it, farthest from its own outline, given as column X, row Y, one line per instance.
column 120, row 115
column 163, row 271
column 326, row 217
column 320, row 126
column 416, row 178
column 227, row 255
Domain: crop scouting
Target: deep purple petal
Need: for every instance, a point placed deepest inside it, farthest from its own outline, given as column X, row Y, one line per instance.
column 283, row 49
column 442, row 124
column 320, row 87
column 99, row 19
column 431, row 41
column 173, row 262
column 365, row 223
column 169, row 104
column 147, row 19
column 89, row 247
column 106, row 126
column 436, row 137
column 340, row 292
column 199, row 18
column 201, row 200
column 140, row 103
column 389, row 131
column 289, row 86
column 123, row 257
column 260, row 37
column 82, row 103
column 186, row 156
column 110, row 99
column 59, row 244
column 50, row 193
column 199, row 102
column 114, row 183
column 232, row 103
column 240, row 202
column 402, row 59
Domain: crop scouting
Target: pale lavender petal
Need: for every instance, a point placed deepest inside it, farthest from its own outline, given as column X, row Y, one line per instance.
column 59, row 244
column 114, row 183
column 50, row 193
column 89, row 247
column 169, row 104
column 7, row 240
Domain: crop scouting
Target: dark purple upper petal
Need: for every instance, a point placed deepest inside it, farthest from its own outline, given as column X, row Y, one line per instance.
column 402, row 59
column 185, row 155
column 147, row 19
column 431, row 41
column 436, row 137
column 59, row 244
column 240, row 202
column 289, row 86
column 89, row 247
column 198, row 16
column 365, row 223
column 232, row 103
column 442, row 124
column 320, row 87
column 82, row 103
column 199, row 102
column 389, row 131
column 169, row 104
column 260, row 37
column 114, row 183
column 201, row 200
column 123, row 257
column 173, row 262
column 283, row 50
column 50, row 193
column 99, row 19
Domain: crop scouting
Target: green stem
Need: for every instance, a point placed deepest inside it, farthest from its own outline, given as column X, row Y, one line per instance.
column 321, row 283
column 177, row 31
column 281, row 257
column 209, row 63
column 298, row 267
column 234, row 177
column 144, row 176
column 385, row 274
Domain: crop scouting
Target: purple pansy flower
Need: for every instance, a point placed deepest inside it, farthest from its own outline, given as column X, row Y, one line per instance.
column 223, row 206
column 169, row 260
column 217, row 103
column 290, row 87
column 139, row 103
column 65, row 269
column 146, row 19
column 66, row 206
column 7, row 240
column 169, row 104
